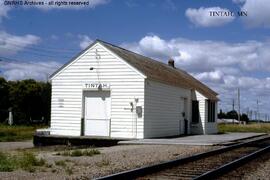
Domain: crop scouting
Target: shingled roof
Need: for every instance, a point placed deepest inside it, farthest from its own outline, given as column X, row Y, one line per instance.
column 158, row 71
column 154, row 70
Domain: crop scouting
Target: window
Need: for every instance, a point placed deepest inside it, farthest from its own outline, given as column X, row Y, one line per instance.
column 195, row 111
column 211, row 111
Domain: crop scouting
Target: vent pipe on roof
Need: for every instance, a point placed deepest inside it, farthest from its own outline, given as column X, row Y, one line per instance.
column 171, row 62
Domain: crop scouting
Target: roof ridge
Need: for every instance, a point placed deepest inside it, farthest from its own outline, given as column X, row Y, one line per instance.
column 178, row 70
column 155, row 60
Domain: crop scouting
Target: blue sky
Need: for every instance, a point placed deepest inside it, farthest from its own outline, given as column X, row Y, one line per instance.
column 226, row 53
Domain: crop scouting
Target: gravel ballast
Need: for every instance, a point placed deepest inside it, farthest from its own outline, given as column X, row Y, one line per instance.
column 111, row 160
column 258, row 168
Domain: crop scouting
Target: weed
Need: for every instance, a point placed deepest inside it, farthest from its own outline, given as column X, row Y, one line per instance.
column 48, row 165
column 69, row 170
column 104, row 162
column 61, row 163
column 65, row 153
column 6, row 164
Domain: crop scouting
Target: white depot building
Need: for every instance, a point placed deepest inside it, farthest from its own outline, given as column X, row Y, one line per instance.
column 112, row 92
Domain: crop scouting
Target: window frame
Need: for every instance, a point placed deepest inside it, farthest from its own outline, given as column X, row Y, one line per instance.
column 211, row 108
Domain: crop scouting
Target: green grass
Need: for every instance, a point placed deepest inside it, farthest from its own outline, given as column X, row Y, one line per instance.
column 79, row 152
column 26, row 161
column 253, row 127
column 17, row 132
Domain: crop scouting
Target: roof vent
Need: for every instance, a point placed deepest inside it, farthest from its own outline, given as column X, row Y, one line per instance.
column 171, row 62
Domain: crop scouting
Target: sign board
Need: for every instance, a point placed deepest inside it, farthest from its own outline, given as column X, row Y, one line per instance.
column 96, row 86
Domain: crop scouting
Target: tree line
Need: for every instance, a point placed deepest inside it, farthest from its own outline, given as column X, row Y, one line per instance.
column 28, row 100
column 232, row 115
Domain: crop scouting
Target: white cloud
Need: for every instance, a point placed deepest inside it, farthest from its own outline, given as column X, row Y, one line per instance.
column 223, row 66
column 11, row 44
column 206, row 55
column 201, row 17
column 3, row 10
column 213, row 76
column 85, row 41
column 258, row 13
column 25, row 70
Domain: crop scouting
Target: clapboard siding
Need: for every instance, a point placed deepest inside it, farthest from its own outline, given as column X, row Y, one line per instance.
column 162, row 109
column 125, row 85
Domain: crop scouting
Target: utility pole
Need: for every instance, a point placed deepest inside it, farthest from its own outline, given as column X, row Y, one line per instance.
column 248, row 112
column 233, row 108
column 238, row 96
column 258, row 115
column 233, row 104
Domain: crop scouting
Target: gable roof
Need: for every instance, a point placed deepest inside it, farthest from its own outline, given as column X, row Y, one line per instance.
column 155, row 70
column 161, row 72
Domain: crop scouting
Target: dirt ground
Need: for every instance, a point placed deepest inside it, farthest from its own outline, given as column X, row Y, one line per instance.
column 111, row 160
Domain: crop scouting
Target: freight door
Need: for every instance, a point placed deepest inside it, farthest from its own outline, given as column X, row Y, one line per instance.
column 97, row 113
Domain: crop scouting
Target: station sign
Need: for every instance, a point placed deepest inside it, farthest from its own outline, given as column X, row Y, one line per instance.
column 96, row 86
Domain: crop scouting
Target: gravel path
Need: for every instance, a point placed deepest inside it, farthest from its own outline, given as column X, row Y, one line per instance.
column 111, row 160
column 6, row 146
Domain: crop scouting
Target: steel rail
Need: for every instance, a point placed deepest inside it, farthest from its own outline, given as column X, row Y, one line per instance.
column 133, row 173
column 231, row 165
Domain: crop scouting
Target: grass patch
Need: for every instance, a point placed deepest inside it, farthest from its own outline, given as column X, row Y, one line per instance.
column 17, row 132
column 26, row 161
column 253, row 127
column 79, row 152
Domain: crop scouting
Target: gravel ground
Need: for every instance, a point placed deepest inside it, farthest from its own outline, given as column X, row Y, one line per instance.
column 111, row 160
column 255, row 169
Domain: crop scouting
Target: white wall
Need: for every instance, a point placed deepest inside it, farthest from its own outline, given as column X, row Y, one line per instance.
column 162, row 109
column 126, row 84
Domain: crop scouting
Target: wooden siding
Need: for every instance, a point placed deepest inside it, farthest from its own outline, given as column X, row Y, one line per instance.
column 125, row 85
column 162, row 109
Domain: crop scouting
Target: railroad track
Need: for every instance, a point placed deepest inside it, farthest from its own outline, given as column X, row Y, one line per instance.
column 206, row 165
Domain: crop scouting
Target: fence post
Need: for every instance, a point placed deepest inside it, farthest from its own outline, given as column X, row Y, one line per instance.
column 10, row 117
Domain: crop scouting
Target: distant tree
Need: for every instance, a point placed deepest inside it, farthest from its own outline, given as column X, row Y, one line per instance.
column 221, row 115
column 4, row 100
column 244, row 117
column 29, row 100
column 232, row 115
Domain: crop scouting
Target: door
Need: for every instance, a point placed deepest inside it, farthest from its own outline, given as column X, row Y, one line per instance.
column 97, row 112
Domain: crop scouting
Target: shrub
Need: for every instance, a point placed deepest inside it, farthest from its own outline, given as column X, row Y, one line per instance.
column 91, row 152
column 78, row 152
